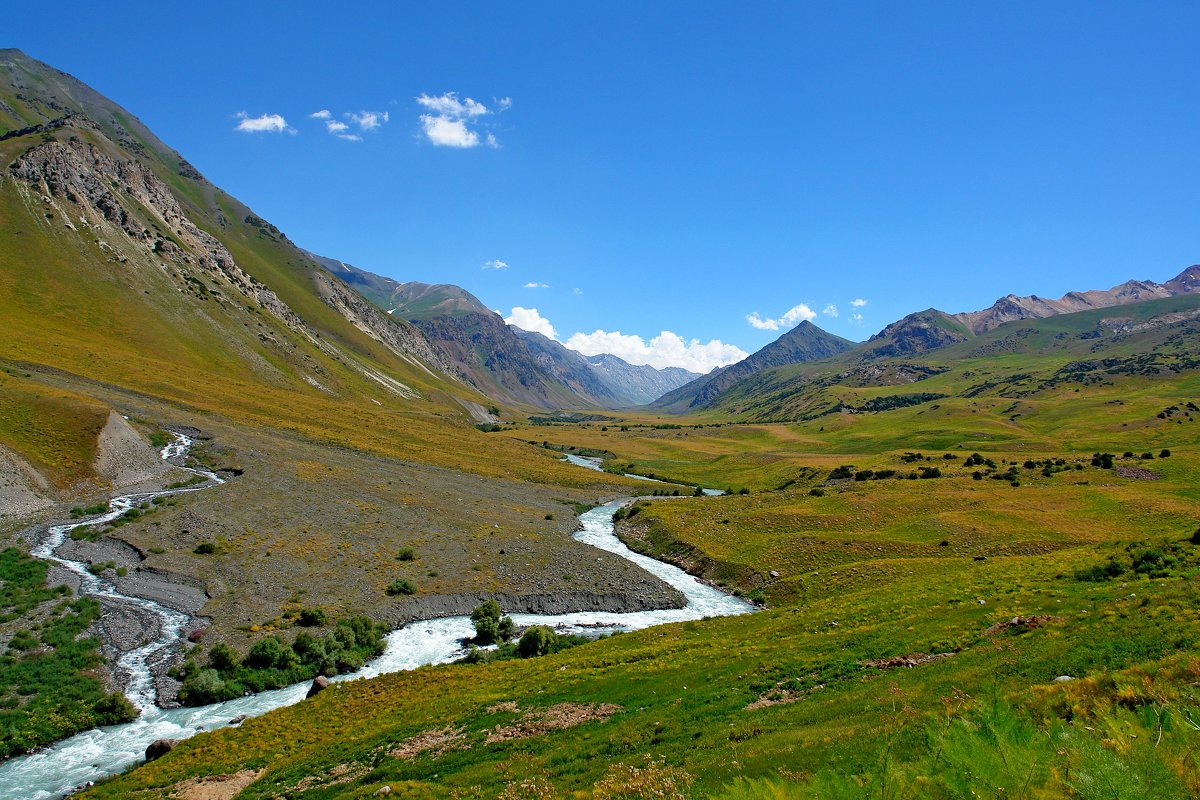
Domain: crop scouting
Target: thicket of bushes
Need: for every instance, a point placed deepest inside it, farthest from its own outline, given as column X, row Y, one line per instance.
column 271, row 664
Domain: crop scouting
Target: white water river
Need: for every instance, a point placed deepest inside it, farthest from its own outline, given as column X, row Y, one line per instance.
column 98, row 753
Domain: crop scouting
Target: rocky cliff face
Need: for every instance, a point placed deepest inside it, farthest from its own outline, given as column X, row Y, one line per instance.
column 400, row 336
column 88, row 185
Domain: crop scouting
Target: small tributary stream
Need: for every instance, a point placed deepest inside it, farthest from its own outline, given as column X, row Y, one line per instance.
column 98, row 753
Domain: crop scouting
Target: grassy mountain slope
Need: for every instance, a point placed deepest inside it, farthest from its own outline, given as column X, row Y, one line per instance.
column 121, row 264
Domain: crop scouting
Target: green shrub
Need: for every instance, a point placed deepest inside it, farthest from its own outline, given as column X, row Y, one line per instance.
column 205, row 548
column 222, row 657
column 491, row 627
column 311, row 618
column 1100, row 572
column 272, row 664
column 406, row 554
column 401, row 586
column 536, row 641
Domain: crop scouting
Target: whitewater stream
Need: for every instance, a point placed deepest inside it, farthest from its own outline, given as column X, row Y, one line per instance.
column 100, row 752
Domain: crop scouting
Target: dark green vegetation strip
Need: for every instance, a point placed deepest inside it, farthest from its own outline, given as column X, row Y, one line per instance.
column 47, row 691
column 271, row 664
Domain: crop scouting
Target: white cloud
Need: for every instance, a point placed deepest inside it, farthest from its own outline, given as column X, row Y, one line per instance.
column 530, row 320
column 368, row 120
column 448, row 105
column 341, row 130
column 536, row 285
column 858, row 303
column 446, row 132
column 454, row 123
column 791, row 318
column 856, row 317
column 665, row 350
column 365, row 121
column 577, row 290
column 495, row 263
column 830, row 310
column 267, row 123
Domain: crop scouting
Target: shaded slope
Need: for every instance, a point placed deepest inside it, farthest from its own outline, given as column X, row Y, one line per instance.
column 805, row 342
column 638, row 384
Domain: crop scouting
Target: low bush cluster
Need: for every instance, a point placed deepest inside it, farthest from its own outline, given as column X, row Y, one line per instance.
column 271, row 664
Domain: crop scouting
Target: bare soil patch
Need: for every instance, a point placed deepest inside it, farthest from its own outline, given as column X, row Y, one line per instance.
column 555, row 718
column 910, row 660
column 435, row 743
column 1021, row 623
column 215, row 787
column 1137, row 473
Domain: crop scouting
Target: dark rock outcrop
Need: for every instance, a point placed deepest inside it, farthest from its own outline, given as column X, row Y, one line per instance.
column 160, row 747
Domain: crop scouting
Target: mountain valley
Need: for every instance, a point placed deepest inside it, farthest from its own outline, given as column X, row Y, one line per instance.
column 970, row 543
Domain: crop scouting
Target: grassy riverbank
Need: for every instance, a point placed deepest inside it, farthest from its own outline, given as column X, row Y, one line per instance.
column 48, row 689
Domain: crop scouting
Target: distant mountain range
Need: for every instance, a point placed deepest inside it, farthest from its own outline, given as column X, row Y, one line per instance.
column 763, row 386
column 502, row 361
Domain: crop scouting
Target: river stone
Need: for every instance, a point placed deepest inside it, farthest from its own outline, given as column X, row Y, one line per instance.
column 319, row 684
column 160, row 747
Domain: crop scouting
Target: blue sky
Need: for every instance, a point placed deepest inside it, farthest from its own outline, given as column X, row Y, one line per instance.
column 682, row 167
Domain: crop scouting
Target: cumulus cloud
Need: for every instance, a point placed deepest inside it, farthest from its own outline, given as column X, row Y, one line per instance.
column 668, row 349
column 494, row 263
column 449, row 105
column 577, row 291
column 529, row 319
column 665, row 350
column 446, row 132
column 856, row 317
column 267, row 123
column 830, row 310
column 792, row 317
column 324, row 113
column 536, row 285
column 451, row 122
column 858, row 303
